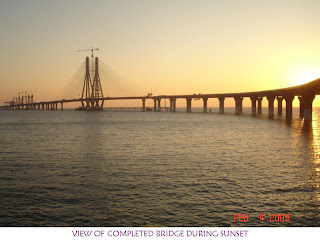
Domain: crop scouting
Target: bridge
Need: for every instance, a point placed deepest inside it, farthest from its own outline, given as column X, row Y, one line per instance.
column 92, row 99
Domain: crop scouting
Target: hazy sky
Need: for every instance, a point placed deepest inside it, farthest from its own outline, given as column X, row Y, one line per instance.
column 167, row 47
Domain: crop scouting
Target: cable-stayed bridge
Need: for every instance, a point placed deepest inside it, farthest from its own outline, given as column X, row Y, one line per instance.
column 92, row 98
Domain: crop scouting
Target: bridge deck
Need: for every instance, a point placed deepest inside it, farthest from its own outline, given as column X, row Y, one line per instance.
column 306, row 93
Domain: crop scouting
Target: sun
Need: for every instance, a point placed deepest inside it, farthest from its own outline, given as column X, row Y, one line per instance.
column 305, row 75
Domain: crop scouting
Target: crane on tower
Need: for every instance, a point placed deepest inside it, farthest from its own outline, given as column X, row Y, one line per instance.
column 92, row 50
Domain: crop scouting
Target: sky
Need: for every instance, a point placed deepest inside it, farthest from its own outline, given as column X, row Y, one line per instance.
column 158, row 46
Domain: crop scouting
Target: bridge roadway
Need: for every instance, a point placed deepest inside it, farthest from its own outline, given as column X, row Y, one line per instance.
column 305, row 93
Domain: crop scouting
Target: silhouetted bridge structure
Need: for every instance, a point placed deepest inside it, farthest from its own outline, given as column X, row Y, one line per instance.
column 92, row 99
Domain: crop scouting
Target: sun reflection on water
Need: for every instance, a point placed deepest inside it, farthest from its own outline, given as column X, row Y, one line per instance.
column 316, row 142
column 315, row 148
column 311, row 138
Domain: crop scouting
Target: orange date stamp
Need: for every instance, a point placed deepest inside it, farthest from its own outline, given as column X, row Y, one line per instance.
column 243, row 217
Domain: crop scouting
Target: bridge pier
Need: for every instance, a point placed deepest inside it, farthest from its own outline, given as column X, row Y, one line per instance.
column 143, row 104
column 280, row 99
column 61, row 106
column 159, row 104
column 238, row 101
column 221, row 105
column 306, row 101
column 289, row 100
column 260, row 105
column 189, row 104
column 205, row 104
column 174, row 102
column 301, row 107
column 155, row 105
column 271, row 106
column 253, row 105
column 171, row 104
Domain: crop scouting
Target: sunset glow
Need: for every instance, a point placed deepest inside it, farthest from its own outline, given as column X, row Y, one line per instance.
column 306, row 75
column 302, row 70
column 167, row 47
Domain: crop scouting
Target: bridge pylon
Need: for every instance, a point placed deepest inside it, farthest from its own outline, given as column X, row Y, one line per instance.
column 86, row 90
column 92, row 94
column 97, row 93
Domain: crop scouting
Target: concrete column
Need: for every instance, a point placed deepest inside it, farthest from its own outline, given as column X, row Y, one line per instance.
column 238, row 101
column 159, row 104
column 306, row 101
column 174, row 101
column 155, row 105
column 56, row 106
column 280, row 99
column 61, row 106
column 301, row 107
column 221, row 105
column 260, row 105
column 271, row 106
column 289, row 100
column 171, row 104
column 205, row 105
column 143, row 104
column 254, row 105
column 189, row 104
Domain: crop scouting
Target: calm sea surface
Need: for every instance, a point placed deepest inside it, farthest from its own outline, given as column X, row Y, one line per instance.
column 71, row 168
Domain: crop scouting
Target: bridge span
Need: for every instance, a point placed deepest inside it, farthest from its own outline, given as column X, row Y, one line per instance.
column 92, row 98
column 305, row 93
